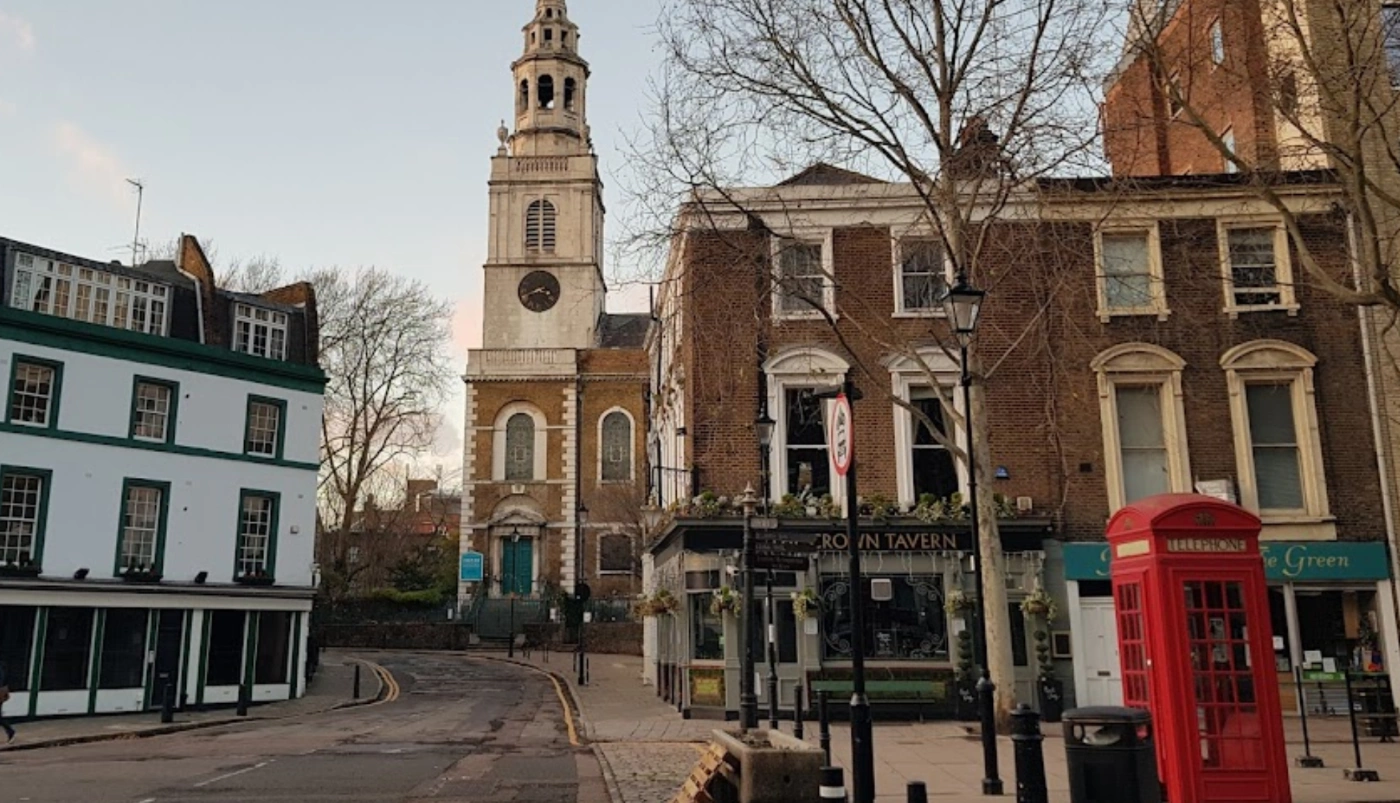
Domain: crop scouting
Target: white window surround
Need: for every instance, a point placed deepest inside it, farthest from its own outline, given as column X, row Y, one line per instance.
column 1158, row 305
column 1228, row 138
column 1280, row 363
column 631, row 447
column 794, row 368
column 810, row 237
column 1217, row 43
column 1142, row 365
column 897, row 249
column 1283, row 265
column 906, row 376
column 498, row 440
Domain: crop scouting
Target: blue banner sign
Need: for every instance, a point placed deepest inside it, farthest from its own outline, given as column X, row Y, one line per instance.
column 473, row 567
column 1284, row 561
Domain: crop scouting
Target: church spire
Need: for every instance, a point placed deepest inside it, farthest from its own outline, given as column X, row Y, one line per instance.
column 550, row 86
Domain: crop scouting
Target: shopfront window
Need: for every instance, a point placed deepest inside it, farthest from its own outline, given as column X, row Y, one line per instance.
column 1337, row 628
column 910, row 626
column 707, row 630
column 16, row 643
column 123, row 660
column 786, row 625
column 67, row 647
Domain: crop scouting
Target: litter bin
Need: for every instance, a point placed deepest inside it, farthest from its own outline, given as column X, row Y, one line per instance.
column 1111, row 756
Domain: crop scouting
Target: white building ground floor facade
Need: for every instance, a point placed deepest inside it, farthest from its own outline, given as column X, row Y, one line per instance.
column 79, row 647
column 1332, row 605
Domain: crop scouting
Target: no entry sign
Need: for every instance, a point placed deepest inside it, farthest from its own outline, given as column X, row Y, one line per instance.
column 840, row 437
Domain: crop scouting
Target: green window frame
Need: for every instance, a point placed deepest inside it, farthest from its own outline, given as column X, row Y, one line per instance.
column 129, row 515
column 172, row 409
column 55, row 390
column 256, row 535
column 279, row 437
column 9, row 520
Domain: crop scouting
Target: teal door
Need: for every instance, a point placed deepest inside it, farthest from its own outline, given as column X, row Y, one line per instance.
column 517, row 566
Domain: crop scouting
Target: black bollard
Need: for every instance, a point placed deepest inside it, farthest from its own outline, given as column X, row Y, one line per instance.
column 797, row 712
column 242, row 709
column 918, row 793
column 1027, row 744
column 355, row 693
column 167, row 703
column 1359, row 773
column 986, row 696
column 824, row 723
column 1307, row 759
column 833, row 785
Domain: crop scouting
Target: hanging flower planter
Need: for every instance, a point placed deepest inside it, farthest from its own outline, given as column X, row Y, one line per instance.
column 958, row 602
column 806, row 604
column 1040, row 604
column 724, row 601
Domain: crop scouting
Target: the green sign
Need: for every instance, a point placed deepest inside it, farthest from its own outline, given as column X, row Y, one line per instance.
column 1284, row 561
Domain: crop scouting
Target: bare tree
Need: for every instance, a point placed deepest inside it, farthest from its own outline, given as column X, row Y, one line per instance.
column 966, row 104
column 384, row 349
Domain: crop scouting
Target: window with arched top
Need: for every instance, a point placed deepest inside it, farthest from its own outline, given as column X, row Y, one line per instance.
column 1144, row 422
column 570, row 89
column 524, row 103
column 539, row 226
column 520, row 447
column 1278, row 443
column 616, row 447
column 545, row 92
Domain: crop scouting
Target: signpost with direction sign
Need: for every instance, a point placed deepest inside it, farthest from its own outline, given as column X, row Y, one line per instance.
column 472, row 568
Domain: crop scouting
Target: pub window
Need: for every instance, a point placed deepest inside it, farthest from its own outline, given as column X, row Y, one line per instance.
column 1020, row 655
column 67, row 647
column 912, row 625
column 225, row 648
column 274, row 639
column 16, row 643
column 123, row 659
column 784, row 621
column 707, row 630
column 808, row 470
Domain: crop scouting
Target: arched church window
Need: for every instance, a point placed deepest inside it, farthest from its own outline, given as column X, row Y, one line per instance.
column 539, row 226
column 617, row 447
column 546, row 92
column 524, row 103
column 520, row 447
column 569, row 87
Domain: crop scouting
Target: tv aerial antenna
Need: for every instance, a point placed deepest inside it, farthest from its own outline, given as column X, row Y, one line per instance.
column 136, row 238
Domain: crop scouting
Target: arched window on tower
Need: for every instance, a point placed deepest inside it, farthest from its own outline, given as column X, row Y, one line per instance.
column 520, row 447
column 569, row 86
column 617, row 447
column 546, row 92
column 524, row 104
column 539, row 226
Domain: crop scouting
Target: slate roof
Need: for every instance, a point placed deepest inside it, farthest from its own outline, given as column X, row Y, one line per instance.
column 626, row 331
column 823, row 174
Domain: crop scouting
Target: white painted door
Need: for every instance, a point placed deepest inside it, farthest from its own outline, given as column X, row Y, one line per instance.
column 1102, row 672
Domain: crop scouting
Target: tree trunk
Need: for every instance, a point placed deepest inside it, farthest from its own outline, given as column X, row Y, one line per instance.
column 992, row 561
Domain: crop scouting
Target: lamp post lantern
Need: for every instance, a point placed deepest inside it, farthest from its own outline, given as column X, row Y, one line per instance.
column 582, row 592
column 748, row 701
column 962, row 304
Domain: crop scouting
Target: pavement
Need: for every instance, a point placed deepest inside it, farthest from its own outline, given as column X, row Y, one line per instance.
column 646, row 749
column 448, row 728
column 331, row 688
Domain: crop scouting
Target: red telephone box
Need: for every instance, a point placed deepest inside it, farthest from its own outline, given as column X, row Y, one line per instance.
column 1196, row 646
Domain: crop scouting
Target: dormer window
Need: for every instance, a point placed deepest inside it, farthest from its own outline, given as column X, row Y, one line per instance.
column 260, row 332
column 88, row 295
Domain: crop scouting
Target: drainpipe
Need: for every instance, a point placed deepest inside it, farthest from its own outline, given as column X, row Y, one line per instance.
column 1378, row 428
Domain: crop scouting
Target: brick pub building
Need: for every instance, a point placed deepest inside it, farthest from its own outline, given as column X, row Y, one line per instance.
column 1138, row 337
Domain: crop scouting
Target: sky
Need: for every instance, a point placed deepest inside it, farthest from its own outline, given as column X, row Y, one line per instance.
column 321, row 132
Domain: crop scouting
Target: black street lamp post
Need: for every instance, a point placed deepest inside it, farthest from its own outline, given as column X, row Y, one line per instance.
column 763, row 427
column 748, row 701
column 511, row 573
column 962, row 305
column 582, row 591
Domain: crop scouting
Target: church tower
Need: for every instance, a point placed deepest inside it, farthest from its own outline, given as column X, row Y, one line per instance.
column 544, row 275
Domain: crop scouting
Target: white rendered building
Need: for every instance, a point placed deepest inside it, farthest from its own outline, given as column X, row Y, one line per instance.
column 158, row 461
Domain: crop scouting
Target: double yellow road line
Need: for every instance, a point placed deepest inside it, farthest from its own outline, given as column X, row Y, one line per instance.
column 389, row 689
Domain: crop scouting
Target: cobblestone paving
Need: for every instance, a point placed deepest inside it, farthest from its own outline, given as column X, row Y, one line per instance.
column 647, row 772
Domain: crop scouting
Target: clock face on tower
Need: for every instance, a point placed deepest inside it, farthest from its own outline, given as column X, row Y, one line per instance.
column 539, row 290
